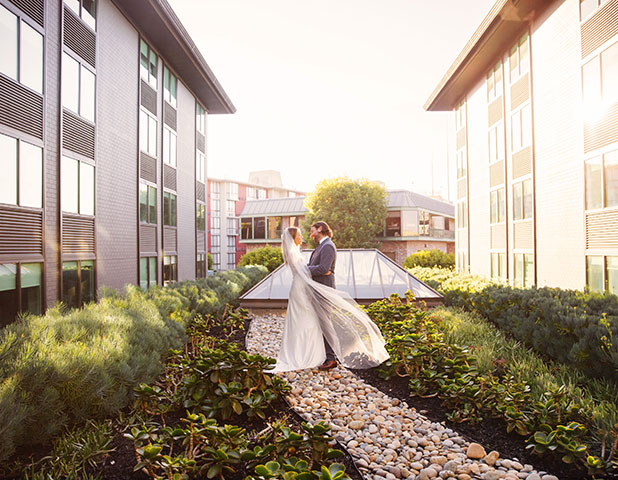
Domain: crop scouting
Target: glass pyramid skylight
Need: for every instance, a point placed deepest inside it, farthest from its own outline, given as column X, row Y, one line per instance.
column 367, row 275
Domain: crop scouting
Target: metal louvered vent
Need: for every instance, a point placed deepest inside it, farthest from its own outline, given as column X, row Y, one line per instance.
column 33, row 8
column 461, row 138
column 21, row 108
column 169, row 114
column 498, row 236
column 200, row 192
column 169, row 177
column 148, row 97
column 602, row 229
column 522, row 162
column 462, row 188
column 21, row 232
column 523, row 236
column 78, row 38
column 77, row 235
column 201, row 241
column 496, row 173
column 148, row 239
column 77, row 135
column 494, row 112
column 169, row 240
column 201, row 142
column 148, row 167
column 520, row 91
column 599, row 28
column 602, row 132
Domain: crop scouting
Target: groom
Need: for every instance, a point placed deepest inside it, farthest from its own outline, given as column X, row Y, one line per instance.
column 322, row 269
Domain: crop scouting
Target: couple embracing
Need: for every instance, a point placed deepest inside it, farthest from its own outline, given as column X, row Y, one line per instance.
column 323, row 325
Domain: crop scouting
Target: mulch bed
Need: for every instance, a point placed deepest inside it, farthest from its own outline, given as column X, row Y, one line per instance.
column 491, row 433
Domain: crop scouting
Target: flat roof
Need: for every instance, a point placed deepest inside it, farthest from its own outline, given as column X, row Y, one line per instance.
column 500, row 28
column 160, row 25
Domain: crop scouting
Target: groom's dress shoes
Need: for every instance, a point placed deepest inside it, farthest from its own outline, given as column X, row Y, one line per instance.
column 328, row 364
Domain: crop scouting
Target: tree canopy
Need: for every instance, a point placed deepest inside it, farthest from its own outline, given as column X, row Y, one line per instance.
column 354, row 209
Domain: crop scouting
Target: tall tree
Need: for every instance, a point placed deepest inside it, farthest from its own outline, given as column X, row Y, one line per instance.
column 354, row 209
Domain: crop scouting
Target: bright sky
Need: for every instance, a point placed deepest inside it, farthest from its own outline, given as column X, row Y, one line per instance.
column 327, row 88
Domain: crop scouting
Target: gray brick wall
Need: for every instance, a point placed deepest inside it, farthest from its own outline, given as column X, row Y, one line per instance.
column 117, row 147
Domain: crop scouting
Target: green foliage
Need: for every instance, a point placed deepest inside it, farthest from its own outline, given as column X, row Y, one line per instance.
column 430, row 258
column 354, row 209
column 270, row 257
column 210, row 262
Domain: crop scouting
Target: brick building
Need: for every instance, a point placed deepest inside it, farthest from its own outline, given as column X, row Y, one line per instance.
column 102, row 129
column 534, row 93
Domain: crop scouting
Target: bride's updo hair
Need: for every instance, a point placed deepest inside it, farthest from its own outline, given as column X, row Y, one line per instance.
column 294, row 232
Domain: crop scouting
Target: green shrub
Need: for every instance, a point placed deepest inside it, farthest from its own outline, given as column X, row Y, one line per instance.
column 210, row 262
column 430, row 258
column 270, row 257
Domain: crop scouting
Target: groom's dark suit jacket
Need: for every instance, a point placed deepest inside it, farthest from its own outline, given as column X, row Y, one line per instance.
column 322, row 261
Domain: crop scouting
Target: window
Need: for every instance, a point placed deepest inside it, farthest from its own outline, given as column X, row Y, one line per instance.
column 147, row 133
column 462, row 214
column 215, row 189
column 496, row 142
column 147, row 272
column 231, row 260
column 588, row 7
column 201, row 266
column 230, row 207
column 200, row 119
column 77, row 283
column 232, row 191
column 216, row 260
column 602, row 274
column 232, row 226
column 259, row 228
column 215, row 224
column 215, row 241
column 200, row 220
column 460, row 116
column 200, row 167
column 147, row 203
column 519, row 58
column 85, row 9
column 169, row 209
column 599, row 78
column 78, row 87
column 77, row 187
column 274, row 228
column 494, row 82
column 462, row 262
column 498, row 265
column 148, row 64
column 522, row 200
column 261, row 192
column 215, row 205
column 231, row 241
column 20, row 290
column 170, row 84
column 169, row 147
column 22, row 51
column 524, row 270
column 462, row 168
column 601, row 174
column 21, row 181
column 497, row 210
column 521, row 129
column 393, row 224
column 246, row 228
column 170, row 269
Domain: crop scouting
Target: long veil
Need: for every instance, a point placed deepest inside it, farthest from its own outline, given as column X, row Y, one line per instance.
column 352, row 335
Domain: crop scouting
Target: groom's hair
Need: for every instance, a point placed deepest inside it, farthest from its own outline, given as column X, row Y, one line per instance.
column 324, row 228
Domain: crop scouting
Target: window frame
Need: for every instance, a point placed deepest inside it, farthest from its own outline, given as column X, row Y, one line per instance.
column 79, row 189
column 150, row 206
column 602, row 188
column 80, row 293
column 516, row 50
column 519, row 204
column 90, row 20
column 170, row 87
column 149, row 264
column 145, row 132
column 19, row 288
column 200, row 217
column 82, row 111
column 170, row 146
column 20, row 182
column 170, row 209
column 494, row 88
column 150, row 78
column 173, row 269
column 200, row 118
column 524, row 282
column 497, row 197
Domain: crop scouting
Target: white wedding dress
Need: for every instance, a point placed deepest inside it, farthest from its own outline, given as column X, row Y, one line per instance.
column 315, row 310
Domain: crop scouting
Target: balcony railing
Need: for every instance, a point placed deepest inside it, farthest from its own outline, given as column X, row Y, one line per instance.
column 440, row 233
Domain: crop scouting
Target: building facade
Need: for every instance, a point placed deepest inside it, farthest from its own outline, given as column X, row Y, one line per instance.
column 535, row 97
column 414, row 222
column 227, row 201
column 103, row 135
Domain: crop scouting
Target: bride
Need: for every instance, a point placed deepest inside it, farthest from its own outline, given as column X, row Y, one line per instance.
column 315, row 312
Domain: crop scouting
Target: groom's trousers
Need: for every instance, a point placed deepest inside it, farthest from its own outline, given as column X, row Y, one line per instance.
column 323, row 310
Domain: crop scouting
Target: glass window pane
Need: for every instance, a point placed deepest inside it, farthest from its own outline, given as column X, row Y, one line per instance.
column 73, row 5
column 493, row 211
column 153, row 69
column 68, row 185
column 166, row 146
column 31, row 288
column 612, row 274
column 173, row 88
column 8, row 293
column 523, row 54
column 152, row 136
column 143, row 203
column 586, row 7
column 609, row 72
column 498, row 78
column 31, row 64
column 70, row 83
column 515, row 132
column 8, row 40
column 8, row 167
column 143, row 273
column 527, row 199
column 87, row 286
column 30, row 175
column 259, row 227
column 69, row 284
column 173, row 149
column 143, row 60
column 86, row 189
column 89, row 13
column 526, row 126
column 166, row 208
column 87, row 98
column 501, row 207
column 519, row 270
column 611, row 179
column 513, row 62
column 591, row 79
column 152, row 271
column 594, row 188
column 492, row 145
column 152, row 201
column 173, row 210
column 517, row 201
column 528, row 270
column 594, row 273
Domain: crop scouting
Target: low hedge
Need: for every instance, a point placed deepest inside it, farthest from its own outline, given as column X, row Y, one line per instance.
column 63, row 367
column 430, row 258
column 571, row 326
column 270, row 257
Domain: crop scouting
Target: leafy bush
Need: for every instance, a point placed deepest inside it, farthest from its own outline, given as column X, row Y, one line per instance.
column 270, row 257
column 210, row 262
column 430, row 258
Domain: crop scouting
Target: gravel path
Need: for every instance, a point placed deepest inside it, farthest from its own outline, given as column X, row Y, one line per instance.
column 388, row 439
